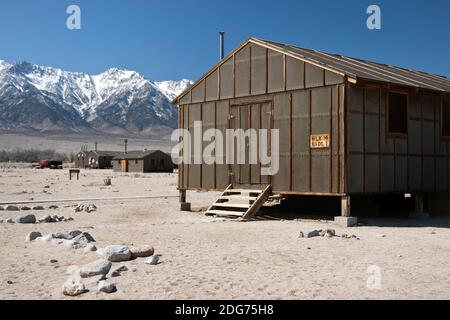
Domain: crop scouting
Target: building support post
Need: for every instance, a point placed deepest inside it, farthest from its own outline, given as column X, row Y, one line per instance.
column 345, row 207
column 419, row 212
column 184, row 206
column 346, row 220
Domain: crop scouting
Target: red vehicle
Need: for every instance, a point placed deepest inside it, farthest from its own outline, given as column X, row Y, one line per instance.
column 43, row 164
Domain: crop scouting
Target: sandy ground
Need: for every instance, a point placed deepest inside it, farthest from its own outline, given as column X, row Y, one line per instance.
column 209, row 258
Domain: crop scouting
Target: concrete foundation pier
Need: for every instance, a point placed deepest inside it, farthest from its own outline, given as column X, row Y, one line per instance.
column 346, row 220
column 184, row 206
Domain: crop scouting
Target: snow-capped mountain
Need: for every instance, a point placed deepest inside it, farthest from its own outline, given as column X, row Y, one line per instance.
column 171, row 89
column 116, row 101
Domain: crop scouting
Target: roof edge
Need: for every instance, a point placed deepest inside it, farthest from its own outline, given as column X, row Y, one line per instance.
column 279, row 47
column 264, row 43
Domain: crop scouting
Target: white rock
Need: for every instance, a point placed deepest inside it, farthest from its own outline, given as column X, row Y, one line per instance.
column 86, row 207
column 152, row 260
column 57, row 241
column 88, row 237
column 67, row 235
column 82, row 240
column 33, row 235
column 46, row 219
column 309, row 234
column 116, row 253
column 95, row 268
column 73, row 287
column 26, row 218
column 79, row 208
column 47, row 238
column 61, row 235
column 64, row 242
column 90, row 208
column 106, row 286
column 95, row 279
column 141, row 251
column 73, row 234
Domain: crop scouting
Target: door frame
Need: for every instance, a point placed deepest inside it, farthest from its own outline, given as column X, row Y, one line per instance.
column 249, row 104
column 124, row 165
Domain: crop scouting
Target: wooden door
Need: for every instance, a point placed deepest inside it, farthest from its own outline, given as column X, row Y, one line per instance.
column 249, row 116
column 124, row 165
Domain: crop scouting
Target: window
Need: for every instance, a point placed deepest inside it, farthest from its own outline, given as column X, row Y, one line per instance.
column 135, row 161
column 161, row 162
column 398, row 113
column 446, row 118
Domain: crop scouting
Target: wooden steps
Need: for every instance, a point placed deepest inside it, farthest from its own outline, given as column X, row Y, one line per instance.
column 239, row 203
column 224, row 213
column 233, row 205
column 238, row 198
column 250, row 191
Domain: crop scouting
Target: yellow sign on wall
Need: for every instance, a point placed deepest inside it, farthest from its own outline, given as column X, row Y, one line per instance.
column 319, row 141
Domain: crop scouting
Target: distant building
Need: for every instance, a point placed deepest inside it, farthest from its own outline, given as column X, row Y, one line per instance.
column 95, row 159
column 143, row 161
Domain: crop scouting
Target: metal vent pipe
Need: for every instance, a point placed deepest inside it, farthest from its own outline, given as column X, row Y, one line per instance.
column 222, row 45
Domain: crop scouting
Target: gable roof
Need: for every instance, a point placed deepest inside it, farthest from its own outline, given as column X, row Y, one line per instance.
column 135, row 155
column 367, row 70
column 107, row 153
column 352, row 68
column 102, row 153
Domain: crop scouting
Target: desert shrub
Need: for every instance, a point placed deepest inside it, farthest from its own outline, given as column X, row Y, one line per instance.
column 33, row 155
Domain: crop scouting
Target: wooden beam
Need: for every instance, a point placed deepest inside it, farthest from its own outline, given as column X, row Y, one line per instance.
column 290, row 142
column 262, row 198
column 234, row 76
column 364, row 139
column 345, row 207
column 284, row 73
column 379, row 142
column 351, row 80
column 310, row 133
column 267, row 71
column 330, row 103
column 250, row 71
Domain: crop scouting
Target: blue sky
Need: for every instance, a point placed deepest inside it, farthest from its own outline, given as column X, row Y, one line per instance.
column 178, row 39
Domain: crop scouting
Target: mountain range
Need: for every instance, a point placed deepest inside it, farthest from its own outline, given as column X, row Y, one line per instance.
column 116, row 102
